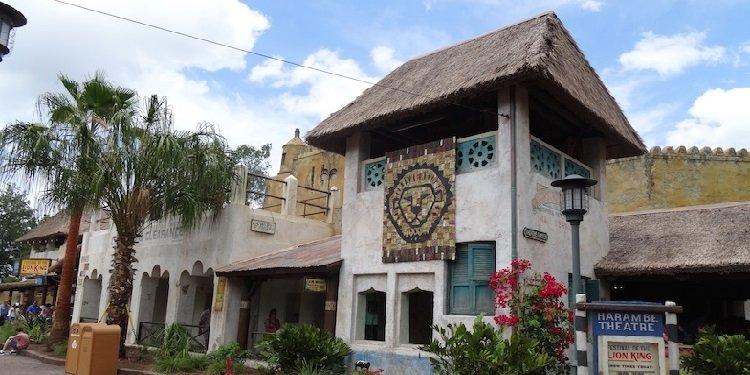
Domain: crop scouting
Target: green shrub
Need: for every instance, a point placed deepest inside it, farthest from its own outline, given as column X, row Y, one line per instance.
column 484, row 351
column 61, row 348
column 719, row 355
column 37, row 327
column 295, row 347
column 217, row 358
column 7, row 330
column 174, row 353
column 187, row 363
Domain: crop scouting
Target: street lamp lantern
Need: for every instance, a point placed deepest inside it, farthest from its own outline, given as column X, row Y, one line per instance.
column 574, row 203
column 9, row 18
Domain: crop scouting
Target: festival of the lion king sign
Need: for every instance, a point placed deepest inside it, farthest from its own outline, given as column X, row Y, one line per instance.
column 419, row 217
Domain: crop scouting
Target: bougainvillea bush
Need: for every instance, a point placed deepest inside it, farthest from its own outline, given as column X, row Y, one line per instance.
column 534, row 307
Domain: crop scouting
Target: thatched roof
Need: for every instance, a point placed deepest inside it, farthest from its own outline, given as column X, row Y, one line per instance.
column 690, row 240
column 52, row 228
column 539, row 49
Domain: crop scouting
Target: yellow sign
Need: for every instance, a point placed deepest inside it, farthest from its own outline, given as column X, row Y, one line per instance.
column 315, row 285
column 632, row 358
column 35, row 266
column 221, row 284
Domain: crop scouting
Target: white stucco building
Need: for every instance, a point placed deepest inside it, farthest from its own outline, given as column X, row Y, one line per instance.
column 422, row 233
column 176, row 278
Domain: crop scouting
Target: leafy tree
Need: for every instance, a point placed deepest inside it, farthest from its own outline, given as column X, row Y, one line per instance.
column 256, row 161
column 102, row 150
column 16, row 218
column 155, row 172
column 63, row 157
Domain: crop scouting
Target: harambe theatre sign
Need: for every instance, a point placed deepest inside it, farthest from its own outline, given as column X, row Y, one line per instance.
column 628, row 343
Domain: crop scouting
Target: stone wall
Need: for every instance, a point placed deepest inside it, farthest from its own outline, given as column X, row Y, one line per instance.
column 669, row 177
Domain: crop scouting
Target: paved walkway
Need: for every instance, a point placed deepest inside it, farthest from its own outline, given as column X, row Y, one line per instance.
column 17, row 364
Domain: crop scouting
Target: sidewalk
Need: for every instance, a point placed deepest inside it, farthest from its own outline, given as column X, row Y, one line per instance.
column 47, row 364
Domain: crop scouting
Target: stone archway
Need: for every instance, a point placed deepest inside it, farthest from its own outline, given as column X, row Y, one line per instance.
column 92, row 294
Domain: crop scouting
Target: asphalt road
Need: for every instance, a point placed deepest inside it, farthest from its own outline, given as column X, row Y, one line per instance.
column 16, row 364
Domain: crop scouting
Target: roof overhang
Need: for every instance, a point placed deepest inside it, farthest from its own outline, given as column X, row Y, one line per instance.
column 313, row 258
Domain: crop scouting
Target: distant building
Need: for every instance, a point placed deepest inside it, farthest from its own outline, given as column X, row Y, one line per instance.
column 679, row 231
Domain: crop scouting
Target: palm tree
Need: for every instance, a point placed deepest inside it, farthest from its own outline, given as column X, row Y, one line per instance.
column 98, row 152
column 63, row 157
column 156, row 172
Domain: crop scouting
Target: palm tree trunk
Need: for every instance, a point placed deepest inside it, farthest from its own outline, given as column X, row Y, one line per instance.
column 61, row 324
column 121, row 286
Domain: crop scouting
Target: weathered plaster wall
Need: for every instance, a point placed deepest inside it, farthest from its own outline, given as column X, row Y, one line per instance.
column 665, row 178
column 188, row 257
column 483, row 213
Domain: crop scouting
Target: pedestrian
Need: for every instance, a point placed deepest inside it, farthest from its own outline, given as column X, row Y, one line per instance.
column 19, row 341
column 272, row 323
column 4, row 307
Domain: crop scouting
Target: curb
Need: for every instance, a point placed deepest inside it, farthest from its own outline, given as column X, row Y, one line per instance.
column 51, row 360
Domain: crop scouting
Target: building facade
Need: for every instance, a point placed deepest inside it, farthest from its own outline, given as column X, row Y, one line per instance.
column 445, row 187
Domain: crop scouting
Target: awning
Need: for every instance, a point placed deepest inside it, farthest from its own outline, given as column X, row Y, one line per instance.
column 321, row 256
column 20, row 285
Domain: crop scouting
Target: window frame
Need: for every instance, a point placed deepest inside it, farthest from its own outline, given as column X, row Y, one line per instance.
column 474, row 282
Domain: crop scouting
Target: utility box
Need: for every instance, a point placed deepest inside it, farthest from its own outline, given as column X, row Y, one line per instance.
column 93, row 349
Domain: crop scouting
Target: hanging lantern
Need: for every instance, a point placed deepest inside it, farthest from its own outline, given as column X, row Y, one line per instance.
column 9, row 18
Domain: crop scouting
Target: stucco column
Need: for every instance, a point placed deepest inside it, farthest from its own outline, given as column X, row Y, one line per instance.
column 173, row 300
column 290, row 196
column 239, row 186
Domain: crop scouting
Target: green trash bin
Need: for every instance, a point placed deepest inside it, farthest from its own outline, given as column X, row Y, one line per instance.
column 95, row 349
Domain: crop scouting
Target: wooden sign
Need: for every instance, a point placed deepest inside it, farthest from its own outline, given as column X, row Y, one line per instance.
column 263, row 226
column 315, row 285
column 38, row 266
column 221, row 285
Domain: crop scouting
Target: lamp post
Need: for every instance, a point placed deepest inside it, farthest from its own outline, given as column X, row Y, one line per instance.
column 9, row 18
column 574, row 203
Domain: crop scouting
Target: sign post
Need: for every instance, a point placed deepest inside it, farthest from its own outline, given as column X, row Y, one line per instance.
column 629, row 337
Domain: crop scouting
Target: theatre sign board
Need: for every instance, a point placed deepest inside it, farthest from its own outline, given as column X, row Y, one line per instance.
column 628, row 343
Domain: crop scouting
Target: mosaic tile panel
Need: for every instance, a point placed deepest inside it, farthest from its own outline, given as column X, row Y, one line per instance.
column 374, row 175
column 572, row 167
column 476, row 154
column 545, row 161
column 419, row 221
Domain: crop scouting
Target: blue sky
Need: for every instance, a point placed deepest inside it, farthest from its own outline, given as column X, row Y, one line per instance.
column 679, row 69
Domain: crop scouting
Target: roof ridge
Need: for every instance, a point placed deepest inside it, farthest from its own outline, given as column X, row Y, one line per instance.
column 488, row 33
column 708, row 206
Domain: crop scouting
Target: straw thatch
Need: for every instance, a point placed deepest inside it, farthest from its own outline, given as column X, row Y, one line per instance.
column 690, row 240
column 539, row 49
column 52, row 228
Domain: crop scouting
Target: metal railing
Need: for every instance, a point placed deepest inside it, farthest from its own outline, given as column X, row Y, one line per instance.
column 254, row 195
column 321, row 209
column 152, row 334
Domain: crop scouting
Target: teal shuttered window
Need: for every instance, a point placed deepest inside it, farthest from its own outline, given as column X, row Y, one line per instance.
column 470, row 274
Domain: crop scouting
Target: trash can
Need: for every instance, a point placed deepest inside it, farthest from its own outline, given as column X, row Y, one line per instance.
column 95, row 348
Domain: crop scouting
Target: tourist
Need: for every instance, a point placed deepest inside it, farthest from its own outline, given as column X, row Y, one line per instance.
column 272, row 323
column 15, row 343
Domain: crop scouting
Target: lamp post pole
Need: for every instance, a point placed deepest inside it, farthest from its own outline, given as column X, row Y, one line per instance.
column 573, row 205
column 575, row 285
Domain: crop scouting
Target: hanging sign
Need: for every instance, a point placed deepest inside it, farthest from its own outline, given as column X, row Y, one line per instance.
column 221, row 284
column 31, row 266
column 315, row 285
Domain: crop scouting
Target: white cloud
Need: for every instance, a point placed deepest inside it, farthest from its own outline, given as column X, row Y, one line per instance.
column 718, row 118
column 591, row 5
column 647, row 120
column 383, row 58
column 670, row 55
column 191, row 74
column 322, row 93
column 745, row 47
